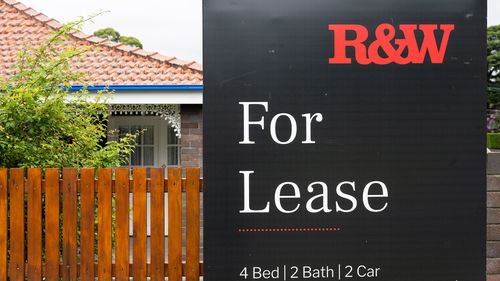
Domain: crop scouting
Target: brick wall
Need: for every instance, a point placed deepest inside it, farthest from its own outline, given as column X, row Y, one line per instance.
column 493, row 218
column 192, row 136
column 192, row 155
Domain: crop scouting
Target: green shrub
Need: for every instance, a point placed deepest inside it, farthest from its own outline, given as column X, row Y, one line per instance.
column 43, row 124
column 493, row 140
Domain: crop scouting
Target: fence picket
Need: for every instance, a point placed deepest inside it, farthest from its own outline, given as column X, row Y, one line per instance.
column 174, row 224
column 16, row 266
column 52, row 224
column 139, row 224
column 122, row 224
column 34, row 224
column 3, row 224
column 104, row 245
column 158, row 221
column 69, row 224
column 87, row 217
column 192, row 224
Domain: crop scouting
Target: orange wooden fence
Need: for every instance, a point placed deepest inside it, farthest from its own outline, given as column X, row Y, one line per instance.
column 59, row 210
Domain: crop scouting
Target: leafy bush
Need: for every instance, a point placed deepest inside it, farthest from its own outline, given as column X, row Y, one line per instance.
column 43, row 124
column 493, row 140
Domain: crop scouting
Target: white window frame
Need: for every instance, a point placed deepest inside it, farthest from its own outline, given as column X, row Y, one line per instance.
column 161, row 129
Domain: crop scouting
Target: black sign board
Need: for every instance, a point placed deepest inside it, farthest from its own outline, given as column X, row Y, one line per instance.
column 344, row 140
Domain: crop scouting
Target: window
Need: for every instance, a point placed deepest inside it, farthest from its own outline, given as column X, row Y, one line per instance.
column 157, row 145
column 144, row 152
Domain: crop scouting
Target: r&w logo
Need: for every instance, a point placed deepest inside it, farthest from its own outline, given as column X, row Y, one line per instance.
column 387, row 48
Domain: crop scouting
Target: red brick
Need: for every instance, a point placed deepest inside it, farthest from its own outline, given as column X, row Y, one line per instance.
column 492, row 266
column 493, row 249
column 196, row 143
column 493, row 199
column 493, row 182
column 190, row 137
column 493, row 232
column 493, row 167
column 198, row 131
column 187, row 158
column 191, row 164
column 184, row 131
column 190, row 151
column 493, row 277
column 191, row 125
column 190, row 144
column 493, row 215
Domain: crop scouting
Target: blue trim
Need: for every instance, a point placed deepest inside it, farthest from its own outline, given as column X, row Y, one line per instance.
column 140, row 87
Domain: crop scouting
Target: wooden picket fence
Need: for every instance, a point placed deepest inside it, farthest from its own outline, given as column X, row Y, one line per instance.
column 44, row 257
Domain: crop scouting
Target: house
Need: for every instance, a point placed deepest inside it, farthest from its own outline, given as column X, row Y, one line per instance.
column 158, row 93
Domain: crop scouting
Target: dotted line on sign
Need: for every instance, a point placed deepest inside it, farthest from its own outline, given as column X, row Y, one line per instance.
column 311, row 229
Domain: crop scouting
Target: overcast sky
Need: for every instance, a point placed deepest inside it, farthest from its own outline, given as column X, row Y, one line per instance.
column 171, row 27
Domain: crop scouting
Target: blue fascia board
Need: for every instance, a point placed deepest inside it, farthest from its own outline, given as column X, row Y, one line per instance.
column 139, row 87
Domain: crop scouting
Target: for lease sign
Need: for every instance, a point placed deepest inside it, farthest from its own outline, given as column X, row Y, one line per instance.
column 344, row 140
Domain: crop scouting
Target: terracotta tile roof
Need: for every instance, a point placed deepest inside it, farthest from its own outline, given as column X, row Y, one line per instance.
column 107, row 63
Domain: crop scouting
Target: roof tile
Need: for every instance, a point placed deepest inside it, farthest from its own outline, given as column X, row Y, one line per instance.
column 80, row 35
column 126, row 48
column 54, row 24
column 143, row 53
column 31, row 12
column 42, row 18
column 161, row 57
column 20, row 6
column 178, row 62
column 197, row 66
column 106, row 63
column 95, row 39
column 152, row 54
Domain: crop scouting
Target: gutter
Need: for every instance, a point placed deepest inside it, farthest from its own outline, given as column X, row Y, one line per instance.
column 93, row 88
